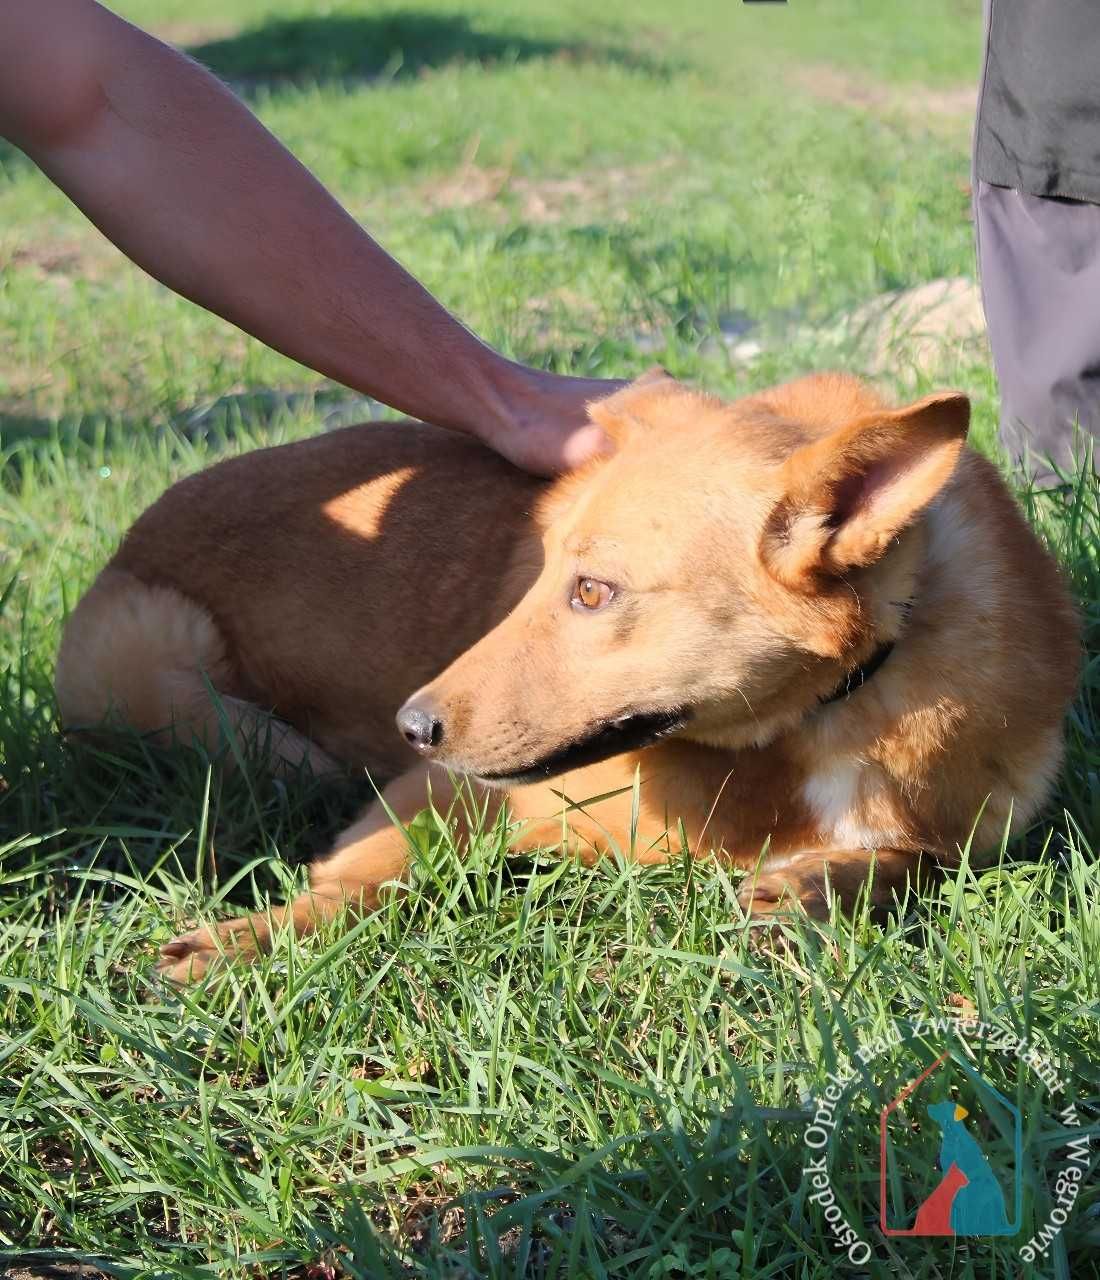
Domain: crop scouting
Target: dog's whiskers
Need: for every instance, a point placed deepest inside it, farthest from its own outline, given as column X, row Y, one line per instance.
column 745, row 700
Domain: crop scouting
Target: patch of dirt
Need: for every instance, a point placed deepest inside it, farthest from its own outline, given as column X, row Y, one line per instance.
column 62, row 261
column 606, row 192
column 916, row 102
column 549, row 309
column 610, row 190
column 470, row 185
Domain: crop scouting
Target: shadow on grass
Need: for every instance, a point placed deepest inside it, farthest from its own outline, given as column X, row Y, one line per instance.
column 220, row 419
column 386, row 46
column 688, row 1195
column 120, row 805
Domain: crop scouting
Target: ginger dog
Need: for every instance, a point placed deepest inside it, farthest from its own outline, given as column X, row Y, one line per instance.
column 809, row 620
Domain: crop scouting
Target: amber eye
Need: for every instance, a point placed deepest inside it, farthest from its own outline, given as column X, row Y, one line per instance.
column 590, row 593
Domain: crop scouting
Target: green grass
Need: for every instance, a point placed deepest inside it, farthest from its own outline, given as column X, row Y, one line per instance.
column 521, row 1067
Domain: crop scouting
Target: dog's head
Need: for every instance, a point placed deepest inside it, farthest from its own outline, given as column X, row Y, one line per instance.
column 713, row 577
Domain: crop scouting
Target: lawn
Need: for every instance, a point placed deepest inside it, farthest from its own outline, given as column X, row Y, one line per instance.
column 521, row 1068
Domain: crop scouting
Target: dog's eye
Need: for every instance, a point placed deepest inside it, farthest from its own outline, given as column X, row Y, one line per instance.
column 590, row 593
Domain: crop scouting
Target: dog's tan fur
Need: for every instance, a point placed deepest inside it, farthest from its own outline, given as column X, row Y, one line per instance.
column 759, row 551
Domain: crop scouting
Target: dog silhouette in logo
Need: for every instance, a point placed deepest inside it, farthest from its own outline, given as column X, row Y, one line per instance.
column 969, row 1200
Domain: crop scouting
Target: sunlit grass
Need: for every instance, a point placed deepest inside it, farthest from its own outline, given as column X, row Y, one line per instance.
column 517, row 1067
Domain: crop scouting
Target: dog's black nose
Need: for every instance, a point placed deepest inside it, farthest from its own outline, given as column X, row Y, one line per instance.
column 420, row 728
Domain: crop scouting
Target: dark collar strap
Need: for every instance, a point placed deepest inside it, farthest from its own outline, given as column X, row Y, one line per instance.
column 858, row 677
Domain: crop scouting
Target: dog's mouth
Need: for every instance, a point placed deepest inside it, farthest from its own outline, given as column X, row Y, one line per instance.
column 628, row 732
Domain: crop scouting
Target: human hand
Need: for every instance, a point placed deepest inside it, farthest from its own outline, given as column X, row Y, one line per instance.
column 155, row 150
column 543, row 423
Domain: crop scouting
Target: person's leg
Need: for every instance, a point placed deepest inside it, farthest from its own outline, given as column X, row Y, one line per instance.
column 1039, row 263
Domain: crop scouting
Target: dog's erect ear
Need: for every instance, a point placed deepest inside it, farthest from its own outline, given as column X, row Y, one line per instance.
column 849, row 494
column 624, row 395
column 636, row 403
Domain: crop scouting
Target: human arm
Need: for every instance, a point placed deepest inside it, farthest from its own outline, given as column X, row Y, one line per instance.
column 176, row 171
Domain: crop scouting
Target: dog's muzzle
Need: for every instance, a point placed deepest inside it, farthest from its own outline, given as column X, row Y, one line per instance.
column 628, row 732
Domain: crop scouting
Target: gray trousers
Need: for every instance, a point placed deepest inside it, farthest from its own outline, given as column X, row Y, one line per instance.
column 1039, row 263
column 1039, row 267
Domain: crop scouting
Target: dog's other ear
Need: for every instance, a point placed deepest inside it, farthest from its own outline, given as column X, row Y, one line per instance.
column 627, row 393
column 850, row 493
column 645, row 400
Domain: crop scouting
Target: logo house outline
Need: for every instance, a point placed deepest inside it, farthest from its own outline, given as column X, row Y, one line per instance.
column 933, row 1218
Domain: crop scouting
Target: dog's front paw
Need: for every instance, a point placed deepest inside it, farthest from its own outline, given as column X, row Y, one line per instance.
column 794, row 883
column 807, row 881
column 191, row 956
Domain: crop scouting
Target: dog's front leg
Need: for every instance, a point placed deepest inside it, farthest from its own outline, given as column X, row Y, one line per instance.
column 804, row 880
column 375, row 850
column 590, row 813
column 371, row 852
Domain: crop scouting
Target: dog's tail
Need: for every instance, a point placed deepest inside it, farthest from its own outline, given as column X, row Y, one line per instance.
column 147, row 658
column 143, row 657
